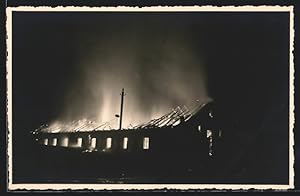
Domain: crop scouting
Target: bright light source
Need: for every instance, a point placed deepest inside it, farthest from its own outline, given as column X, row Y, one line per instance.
column 108, row 142
column 208, row 133
column 93, row 142
column 146, row 143
column 79, row 142
column 125, row 143
column 54, row 142
column 199, row 128
column 65, row 142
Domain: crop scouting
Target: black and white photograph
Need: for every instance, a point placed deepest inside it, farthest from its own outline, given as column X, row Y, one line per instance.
column 122, row 98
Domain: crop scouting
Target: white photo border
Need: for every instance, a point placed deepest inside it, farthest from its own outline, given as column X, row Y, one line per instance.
column 56, row 187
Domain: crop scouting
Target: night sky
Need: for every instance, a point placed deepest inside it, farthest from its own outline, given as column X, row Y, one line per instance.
column 73, row 66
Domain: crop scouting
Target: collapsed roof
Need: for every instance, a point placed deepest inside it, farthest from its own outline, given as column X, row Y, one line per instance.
column 172, row 119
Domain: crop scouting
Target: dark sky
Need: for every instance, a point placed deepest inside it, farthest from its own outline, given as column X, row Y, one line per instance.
column 157, row 58
column 73, row 65
column 67, row 65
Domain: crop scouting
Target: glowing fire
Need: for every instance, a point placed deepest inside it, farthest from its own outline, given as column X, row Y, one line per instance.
column 172, row 119
column 169, row 74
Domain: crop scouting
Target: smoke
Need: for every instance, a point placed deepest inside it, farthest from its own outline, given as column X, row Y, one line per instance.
column 158, row 73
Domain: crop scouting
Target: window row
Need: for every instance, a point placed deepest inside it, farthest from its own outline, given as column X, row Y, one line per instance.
column 209, row 133
column 93, row 142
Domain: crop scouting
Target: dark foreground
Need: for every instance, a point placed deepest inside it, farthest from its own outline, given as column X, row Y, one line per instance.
column 61, row 165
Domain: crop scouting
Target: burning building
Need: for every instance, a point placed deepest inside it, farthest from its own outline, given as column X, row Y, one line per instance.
column 182, row 130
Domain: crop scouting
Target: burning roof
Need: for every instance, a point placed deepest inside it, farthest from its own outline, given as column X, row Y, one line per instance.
column 171, row 119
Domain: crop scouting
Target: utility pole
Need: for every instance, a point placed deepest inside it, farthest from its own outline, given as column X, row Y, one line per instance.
column 121, row 112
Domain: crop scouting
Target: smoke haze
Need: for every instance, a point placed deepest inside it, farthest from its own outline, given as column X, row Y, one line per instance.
column 157, row 73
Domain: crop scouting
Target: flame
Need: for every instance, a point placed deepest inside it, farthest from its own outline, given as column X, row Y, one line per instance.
column 170, row 74
column 80, row 125
column 172, row 118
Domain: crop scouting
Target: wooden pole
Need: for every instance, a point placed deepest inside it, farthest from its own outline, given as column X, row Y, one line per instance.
column 121, row 112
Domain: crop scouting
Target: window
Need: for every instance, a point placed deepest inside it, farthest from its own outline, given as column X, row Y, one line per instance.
column 54, row 142
column 146, row 143
column 125, row 143
column 46, row 141
column 108, row 142
column 208, row 133
column 79, row 142
column 65, row 142
column 93, row 142
column 199, row 128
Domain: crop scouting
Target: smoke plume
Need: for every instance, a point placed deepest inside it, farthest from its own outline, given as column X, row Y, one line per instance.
column 158, row 73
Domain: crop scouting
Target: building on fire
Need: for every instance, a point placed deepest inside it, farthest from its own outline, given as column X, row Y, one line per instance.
column 181, row 131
